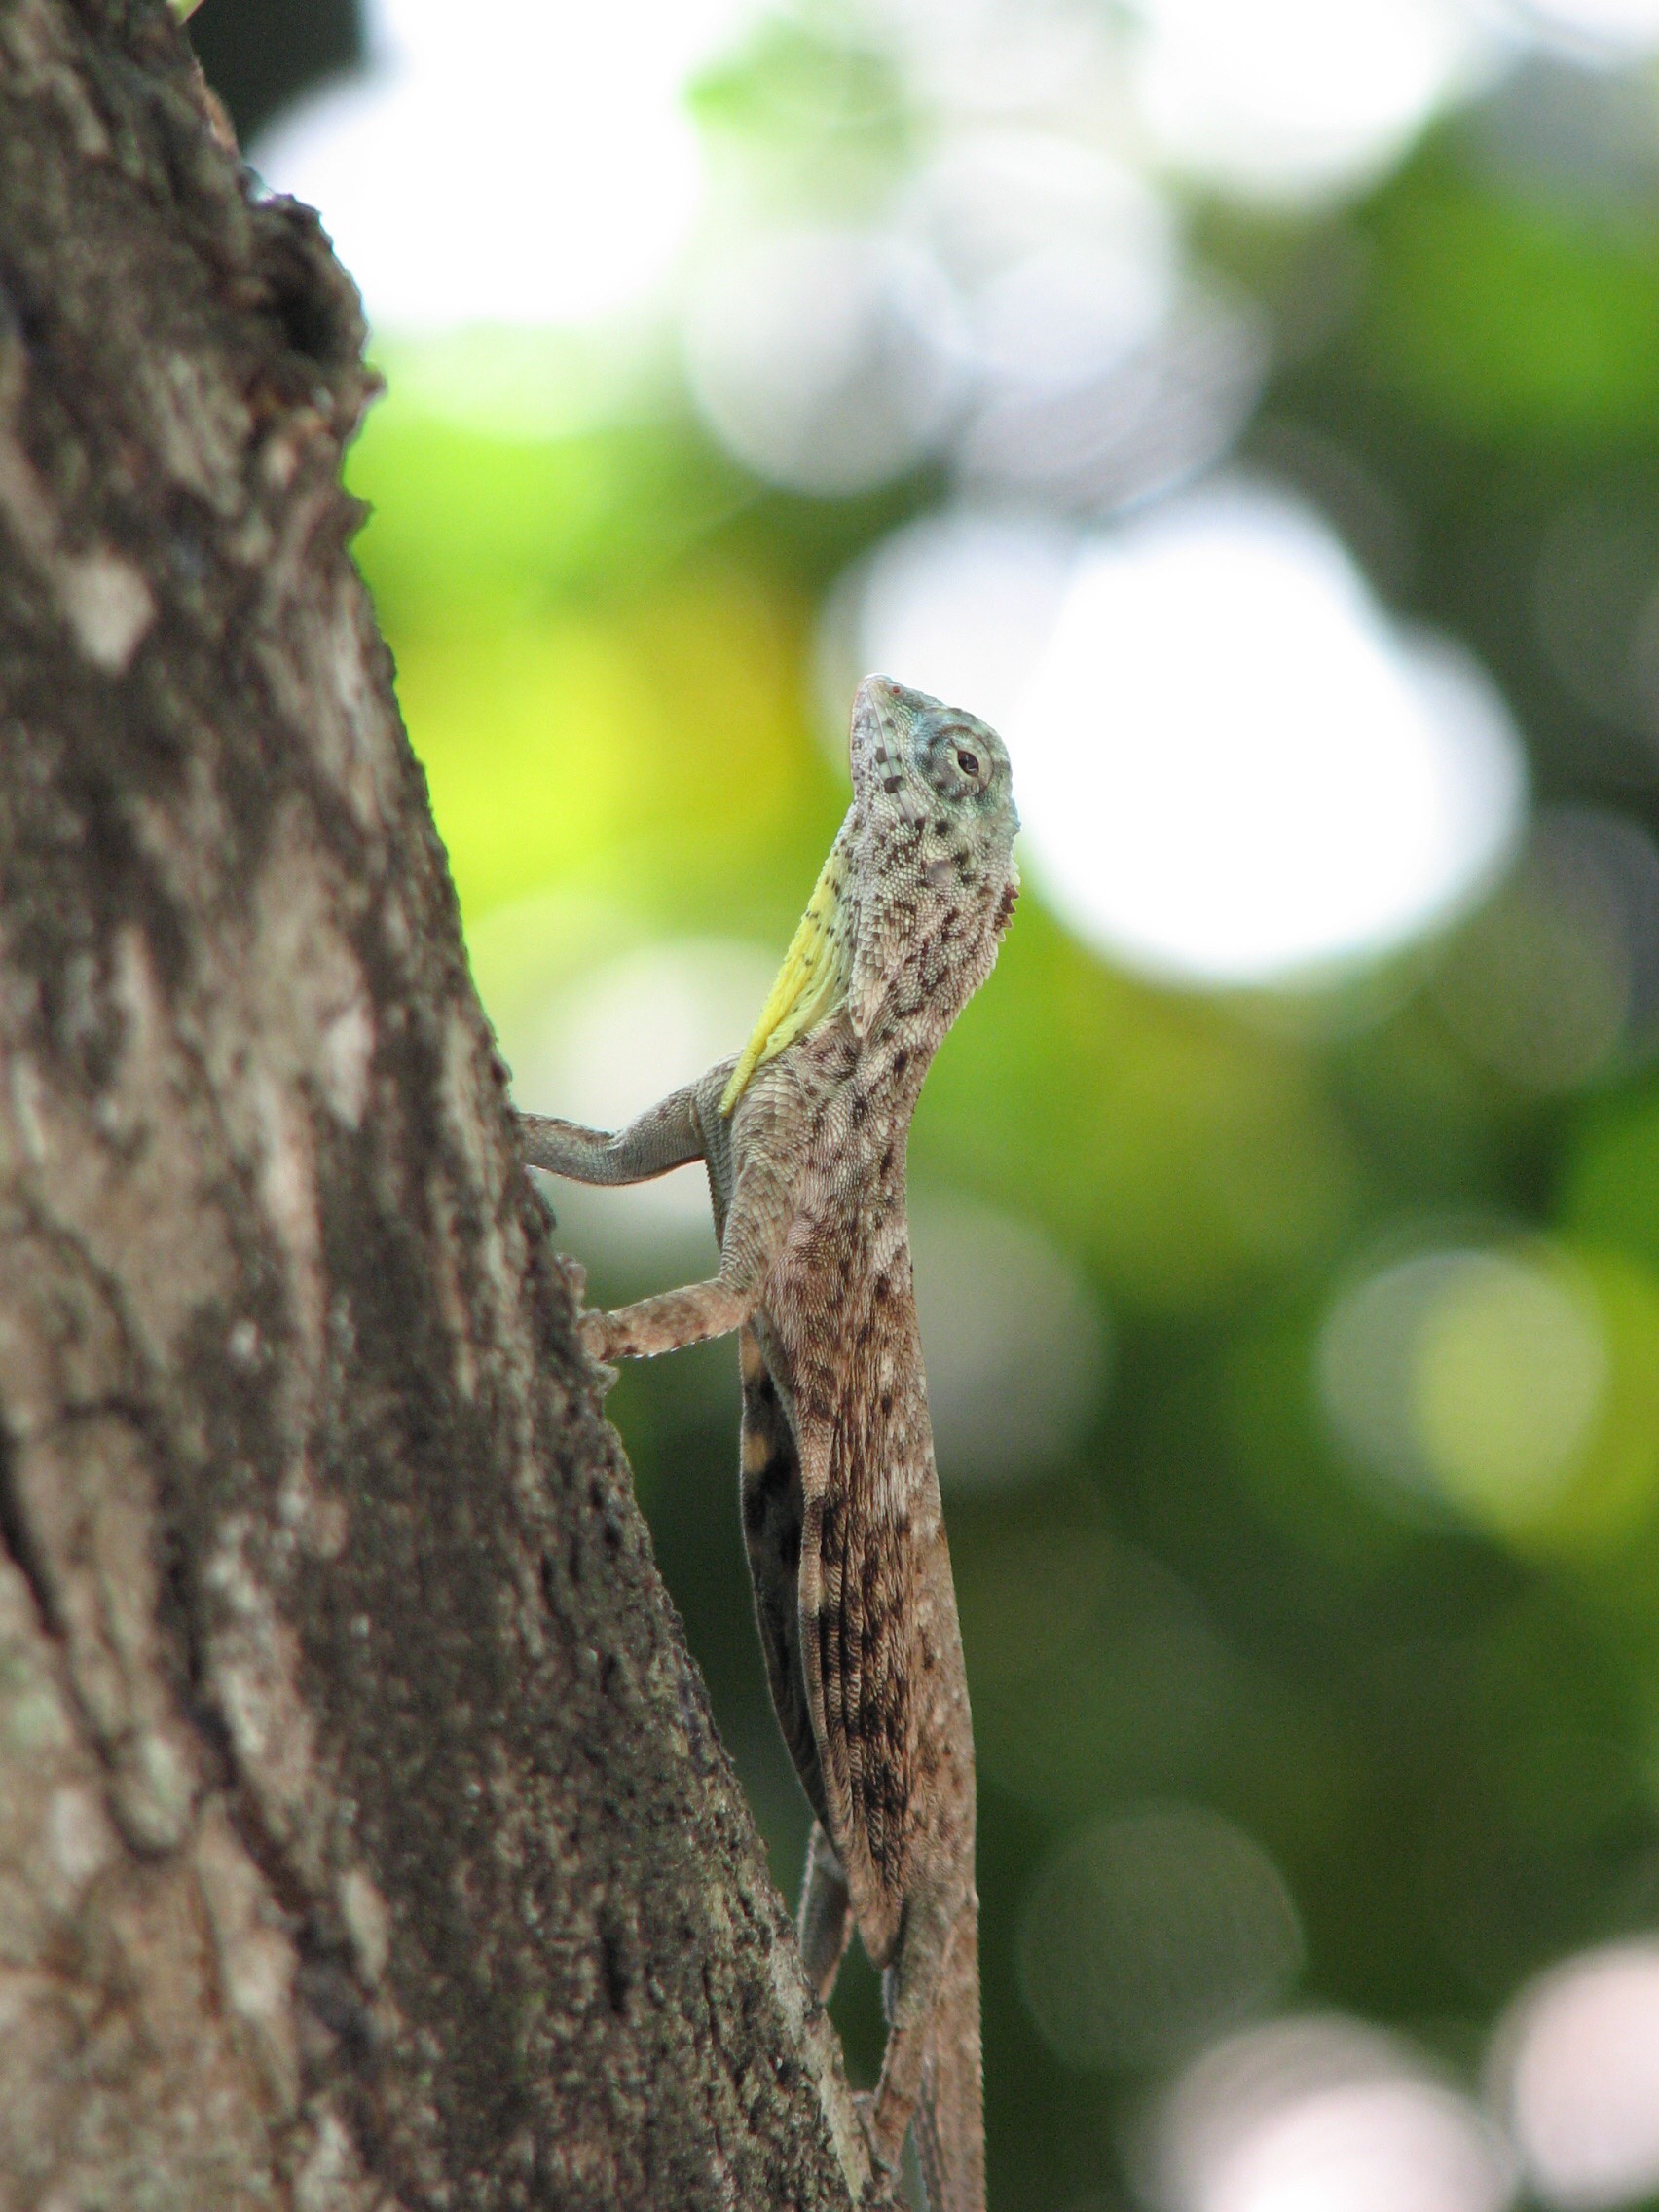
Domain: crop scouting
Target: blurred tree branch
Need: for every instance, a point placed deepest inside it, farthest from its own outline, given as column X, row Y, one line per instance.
column 363, row 1837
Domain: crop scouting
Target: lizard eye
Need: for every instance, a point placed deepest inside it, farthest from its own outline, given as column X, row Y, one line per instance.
column 957, row 761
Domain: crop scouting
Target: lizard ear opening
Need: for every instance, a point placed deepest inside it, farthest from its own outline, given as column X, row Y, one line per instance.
column 812, row 982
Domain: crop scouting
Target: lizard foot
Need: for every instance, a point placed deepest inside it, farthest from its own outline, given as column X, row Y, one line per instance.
column 596, row 1342
column 879, row 2190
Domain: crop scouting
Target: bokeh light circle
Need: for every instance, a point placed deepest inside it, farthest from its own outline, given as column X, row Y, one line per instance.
column 1518, row 1384
column 828, row 359
column 997, row 207
column 1295, row 100
column 449, row 181
column 1149, row 1931
column 959, row 603
column 1478, row 1373
column 1322, row 2115
column 1578, row 2075
column 1233, row 768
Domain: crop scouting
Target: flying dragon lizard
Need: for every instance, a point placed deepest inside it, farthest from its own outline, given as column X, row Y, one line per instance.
column 804, row 1135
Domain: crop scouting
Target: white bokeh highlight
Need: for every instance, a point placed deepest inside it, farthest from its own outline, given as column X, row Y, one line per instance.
column 1288, row 100
column 827, row 360
column 1578, row 2075
column 1233, row 768
column 1323, row 2115
column 520, row 163
column 1065, row 260
column 959, row 603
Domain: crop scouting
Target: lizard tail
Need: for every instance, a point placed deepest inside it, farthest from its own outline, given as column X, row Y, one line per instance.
column 950, row 2122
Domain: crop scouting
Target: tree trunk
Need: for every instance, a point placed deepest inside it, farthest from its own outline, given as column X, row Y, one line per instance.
column 364, row 1839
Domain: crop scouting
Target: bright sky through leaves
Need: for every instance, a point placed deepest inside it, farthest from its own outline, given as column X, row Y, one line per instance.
column 556, row 189
column 1234, row 767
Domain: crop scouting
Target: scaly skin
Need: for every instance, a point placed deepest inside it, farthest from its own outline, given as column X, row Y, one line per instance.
column 804, row 1136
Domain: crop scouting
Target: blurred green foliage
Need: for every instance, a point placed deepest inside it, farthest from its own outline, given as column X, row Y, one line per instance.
column 1440, row 1720
column 1453, row 319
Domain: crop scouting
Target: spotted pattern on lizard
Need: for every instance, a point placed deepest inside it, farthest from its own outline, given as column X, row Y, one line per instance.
column 804, row 1136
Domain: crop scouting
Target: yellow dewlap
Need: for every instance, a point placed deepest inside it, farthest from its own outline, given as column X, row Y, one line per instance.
column 811, row 983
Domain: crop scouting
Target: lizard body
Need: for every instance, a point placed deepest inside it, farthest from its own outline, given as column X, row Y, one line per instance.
column 804, row 1137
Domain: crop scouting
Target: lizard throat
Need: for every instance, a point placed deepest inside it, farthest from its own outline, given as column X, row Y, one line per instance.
column 812, row 984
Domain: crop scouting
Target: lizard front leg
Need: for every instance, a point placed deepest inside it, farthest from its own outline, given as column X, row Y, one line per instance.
column 702, row 1310
column 663, row 1138
column 666, row 1136
column 673, row 1318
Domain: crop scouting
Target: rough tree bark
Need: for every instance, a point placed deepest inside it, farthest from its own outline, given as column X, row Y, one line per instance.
column 363, row 1837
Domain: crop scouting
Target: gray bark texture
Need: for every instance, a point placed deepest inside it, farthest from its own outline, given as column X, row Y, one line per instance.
column 364, row 1840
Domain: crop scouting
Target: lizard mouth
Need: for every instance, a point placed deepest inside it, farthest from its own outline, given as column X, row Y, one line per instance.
column 890, row 693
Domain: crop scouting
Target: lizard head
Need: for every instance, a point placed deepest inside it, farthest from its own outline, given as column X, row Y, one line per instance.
column 934, row 823
column 922, row 875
